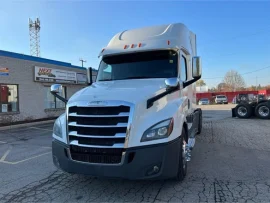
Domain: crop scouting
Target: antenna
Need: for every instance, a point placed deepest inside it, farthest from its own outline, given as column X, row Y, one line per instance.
column 34, row 30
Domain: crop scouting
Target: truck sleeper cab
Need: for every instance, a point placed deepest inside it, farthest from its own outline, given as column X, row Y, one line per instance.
column 139, row 119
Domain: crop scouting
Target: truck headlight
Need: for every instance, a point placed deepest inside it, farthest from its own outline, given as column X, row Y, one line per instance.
column 160, row 130
column 57, row 128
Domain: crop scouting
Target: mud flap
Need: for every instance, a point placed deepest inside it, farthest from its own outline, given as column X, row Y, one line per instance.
column 233, row 112
column 193, row 123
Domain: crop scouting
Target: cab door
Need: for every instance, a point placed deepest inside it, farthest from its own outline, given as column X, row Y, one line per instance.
column 184, row 75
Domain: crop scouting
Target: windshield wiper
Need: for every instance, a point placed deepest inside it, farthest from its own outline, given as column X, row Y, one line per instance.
column 138, row 77
column 127, row 78
column 105, row 80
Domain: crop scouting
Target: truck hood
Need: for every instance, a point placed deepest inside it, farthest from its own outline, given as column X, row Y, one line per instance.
column 132, row 91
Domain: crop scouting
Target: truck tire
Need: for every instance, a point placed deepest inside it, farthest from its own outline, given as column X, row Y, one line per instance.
column 200, row 122
column 182, row 166
column 243, row 110
column 262, row 110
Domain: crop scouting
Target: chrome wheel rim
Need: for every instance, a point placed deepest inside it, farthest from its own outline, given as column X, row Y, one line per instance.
column 264, row 111
column 184, row 152
column 242, row 111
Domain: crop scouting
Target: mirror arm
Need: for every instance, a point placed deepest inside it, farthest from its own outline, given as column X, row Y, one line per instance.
column 151, row 101
column 187, row 83
column 90, row 75
column 59, row 97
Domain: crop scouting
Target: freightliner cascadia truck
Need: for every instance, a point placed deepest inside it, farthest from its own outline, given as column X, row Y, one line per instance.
column 138, row 119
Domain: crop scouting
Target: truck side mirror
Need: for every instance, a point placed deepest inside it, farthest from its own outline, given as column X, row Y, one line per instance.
column 196, row 71
column 196, row 67
column 55, row 89
column 89, row 76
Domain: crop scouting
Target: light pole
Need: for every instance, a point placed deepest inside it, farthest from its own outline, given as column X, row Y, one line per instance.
column 83, row 61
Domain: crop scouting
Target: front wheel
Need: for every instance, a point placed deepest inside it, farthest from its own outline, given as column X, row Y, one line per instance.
column 262, row 110
column 182, row 166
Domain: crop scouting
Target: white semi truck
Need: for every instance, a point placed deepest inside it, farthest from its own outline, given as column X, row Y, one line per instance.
column 139, row 119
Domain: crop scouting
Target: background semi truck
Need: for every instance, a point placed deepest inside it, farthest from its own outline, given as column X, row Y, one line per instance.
column 249, row 105
column 139, row 119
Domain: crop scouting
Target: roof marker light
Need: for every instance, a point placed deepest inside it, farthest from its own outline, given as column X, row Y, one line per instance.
column 140, row 44
column 168, row 42
column 132, row 46
column 125, row 46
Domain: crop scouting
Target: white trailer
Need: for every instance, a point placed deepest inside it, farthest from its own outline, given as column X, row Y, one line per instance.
column 139, row 119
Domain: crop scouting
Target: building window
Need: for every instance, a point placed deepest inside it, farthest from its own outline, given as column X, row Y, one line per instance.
column 51, row 102
column 9, row 98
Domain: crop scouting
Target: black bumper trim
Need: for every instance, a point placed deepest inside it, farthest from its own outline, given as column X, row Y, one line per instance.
column 233, row 112
column 136, row 164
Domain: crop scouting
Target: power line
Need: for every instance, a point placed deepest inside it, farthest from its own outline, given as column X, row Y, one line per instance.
column 262, row 31
column 255, row 70
column 240, row 74
column 241, row 36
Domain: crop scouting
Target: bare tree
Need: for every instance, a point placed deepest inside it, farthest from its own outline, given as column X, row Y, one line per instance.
column 200, row 83
column 234, row 81
column 213, row 89
column 222, row 87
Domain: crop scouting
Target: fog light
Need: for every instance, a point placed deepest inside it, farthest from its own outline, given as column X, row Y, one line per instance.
column 153, row 170
column 156, row 169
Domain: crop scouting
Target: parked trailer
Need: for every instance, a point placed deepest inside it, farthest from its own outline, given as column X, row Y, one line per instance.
column 139, row 119
column 249, row 105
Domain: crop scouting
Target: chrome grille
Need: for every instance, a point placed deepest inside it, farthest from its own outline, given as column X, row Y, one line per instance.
column 99, row 129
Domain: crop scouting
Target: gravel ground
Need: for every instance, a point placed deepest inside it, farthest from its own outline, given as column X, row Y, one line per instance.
column 230, row 163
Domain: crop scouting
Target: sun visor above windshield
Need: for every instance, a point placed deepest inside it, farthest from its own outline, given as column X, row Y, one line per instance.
column 139, row 47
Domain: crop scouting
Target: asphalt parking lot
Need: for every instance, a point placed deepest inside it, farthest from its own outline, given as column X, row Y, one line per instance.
column 230, row 163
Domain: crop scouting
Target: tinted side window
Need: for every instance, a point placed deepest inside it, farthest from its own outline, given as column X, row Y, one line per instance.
column 183, row 73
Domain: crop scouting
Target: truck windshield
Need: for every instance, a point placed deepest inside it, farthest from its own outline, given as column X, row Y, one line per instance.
column 221, row 97
column 154, row 64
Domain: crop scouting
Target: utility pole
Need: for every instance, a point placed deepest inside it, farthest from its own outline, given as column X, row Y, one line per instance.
column 83, row 61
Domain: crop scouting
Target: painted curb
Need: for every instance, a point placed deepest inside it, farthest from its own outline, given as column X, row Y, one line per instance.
column 25, row 125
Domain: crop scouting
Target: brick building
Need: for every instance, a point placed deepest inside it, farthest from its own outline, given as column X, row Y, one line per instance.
column 25, row 86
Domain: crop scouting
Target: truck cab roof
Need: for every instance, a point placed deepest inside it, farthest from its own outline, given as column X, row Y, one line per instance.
column 168, row 36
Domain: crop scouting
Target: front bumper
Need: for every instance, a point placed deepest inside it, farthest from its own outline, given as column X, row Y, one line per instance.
column 164, row 156
column 203, row 103
column 222, row 102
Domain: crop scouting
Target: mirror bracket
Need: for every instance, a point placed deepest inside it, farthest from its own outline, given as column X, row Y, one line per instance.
column 172, row 83
column 187, row 83
column 59, row 97
column 90, row 76
column 55, row 89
